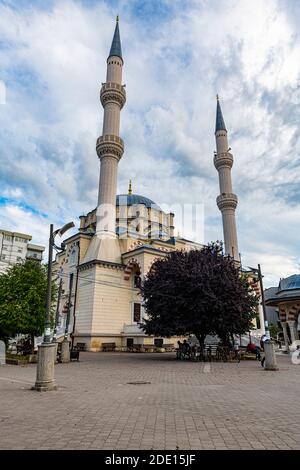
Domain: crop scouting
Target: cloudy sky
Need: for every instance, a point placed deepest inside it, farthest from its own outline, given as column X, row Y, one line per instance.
column 178, row 54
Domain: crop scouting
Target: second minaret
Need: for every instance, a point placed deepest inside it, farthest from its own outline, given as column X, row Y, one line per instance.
column 110, row 146
column 227, row 201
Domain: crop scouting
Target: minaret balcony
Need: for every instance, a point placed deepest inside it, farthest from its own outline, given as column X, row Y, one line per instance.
column 110, row 145
column 113, row 93
column 227, row 201
column 223, row 159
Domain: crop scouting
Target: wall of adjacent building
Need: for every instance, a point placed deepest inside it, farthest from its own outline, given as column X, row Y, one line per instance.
column 15, row 248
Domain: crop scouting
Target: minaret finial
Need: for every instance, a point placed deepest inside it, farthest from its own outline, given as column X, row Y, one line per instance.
column 117, row 19
column 130, row 187
column 217, row 97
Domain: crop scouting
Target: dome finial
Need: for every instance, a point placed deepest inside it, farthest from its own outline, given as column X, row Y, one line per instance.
column 130, row 187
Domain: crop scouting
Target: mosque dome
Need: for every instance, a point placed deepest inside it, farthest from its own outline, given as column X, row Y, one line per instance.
column 290, row 283
column 135, row 199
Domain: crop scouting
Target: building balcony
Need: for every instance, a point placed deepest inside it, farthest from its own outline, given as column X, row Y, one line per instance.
column 113, row 93
column 223, row 159
column 110, row 145
column 227, row 201
column 34, row 256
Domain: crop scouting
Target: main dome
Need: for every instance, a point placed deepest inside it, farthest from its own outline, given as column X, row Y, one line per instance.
column 289, row 283
column 135, row 199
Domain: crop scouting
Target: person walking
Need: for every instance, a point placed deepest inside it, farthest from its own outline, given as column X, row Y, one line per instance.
column 263, row 339
column 236, row 349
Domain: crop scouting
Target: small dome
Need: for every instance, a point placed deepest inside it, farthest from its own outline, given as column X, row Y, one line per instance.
column 289, row 283
column 135, row 199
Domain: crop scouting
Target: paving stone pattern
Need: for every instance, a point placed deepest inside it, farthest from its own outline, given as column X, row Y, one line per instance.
column 186, row 405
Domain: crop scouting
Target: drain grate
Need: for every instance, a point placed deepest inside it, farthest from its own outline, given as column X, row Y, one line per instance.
column 139, row 382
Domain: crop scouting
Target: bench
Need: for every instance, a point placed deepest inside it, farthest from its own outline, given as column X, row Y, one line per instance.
column 148, row 347
column 136, row 348
column 108, row 347
column 81, row 346
column 168, row 347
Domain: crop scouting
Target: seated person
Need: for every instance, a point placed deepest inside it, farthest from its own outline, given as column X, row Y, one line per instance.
column 179, row 350
column 186, row 348
column 252, row 348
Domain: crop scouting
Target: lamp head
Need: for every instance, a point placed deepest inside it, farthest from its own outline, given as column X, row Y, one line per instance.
column 65, row 228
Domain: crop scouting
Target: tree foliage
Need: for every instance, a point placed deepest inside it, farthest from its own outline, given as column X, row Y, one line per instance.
column 198, row 292
column 23, row 291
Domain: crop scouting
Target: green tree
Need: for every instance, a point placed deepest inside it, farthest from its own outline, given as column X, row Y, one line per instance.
column 23, row 291
column 198, row 292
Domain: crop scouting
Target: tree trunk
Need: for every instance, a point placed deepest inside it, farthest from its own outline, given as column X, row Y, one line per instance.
column 32, row 343
column 201, row 338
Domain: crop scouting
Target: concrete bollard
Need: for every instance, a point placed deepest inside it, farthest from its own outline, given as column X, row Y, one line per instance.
column 45, row 368
column 270, row 357
column 65, row 351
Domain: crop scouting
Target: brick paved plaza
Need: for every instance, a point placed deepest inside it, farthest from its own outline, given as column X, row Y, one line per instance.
column 186, row 405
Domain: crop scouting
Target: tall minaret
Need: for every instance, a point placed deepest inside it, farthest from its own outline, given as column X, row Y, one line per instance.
column 110, row 146
column 227, row 201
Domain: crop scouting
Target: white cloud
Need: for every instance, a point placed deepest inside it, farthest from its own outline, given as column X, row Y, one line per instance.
column 247, row 51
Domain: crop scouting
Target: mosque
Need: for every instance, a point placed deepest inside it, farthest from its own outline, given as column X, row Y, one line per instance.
column 117, row 243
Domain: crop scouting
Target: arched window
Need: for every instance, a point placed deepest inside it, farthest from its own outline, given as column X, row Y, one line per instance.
column 137, row 280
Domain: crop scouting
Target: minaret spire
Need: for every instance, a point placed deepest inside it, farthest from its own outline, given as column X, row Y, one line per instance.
column 227, row 201
column 220, row 124
column 116, row 49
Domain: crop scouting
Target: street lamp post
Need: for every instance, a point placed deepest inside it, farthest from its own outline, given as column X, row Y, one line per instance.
column 266, row 323
column 57, row 310
column 47, row 350
column 269, row 350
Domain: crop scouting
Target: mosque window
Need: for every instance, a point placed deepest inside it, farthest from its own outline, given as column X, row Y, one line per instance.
column 136, row 312
column 137, row 280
